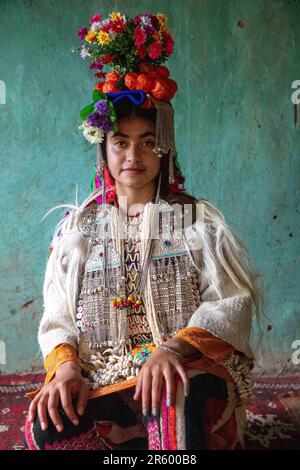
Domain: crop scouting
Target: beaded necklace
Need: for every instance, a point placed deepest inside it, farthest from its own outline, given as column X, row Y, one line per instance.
column 132, row 301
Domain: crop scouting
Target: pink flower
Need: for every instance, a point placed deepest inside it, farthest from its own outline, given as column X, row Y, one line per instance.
column 169, row 45
column 82, row 33
column 139, row 37
column 95, row 18
column 155, row 50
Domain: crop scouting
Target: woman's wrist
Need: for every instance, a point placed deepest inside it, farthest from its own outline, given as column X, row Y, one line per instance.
column 68, row 365
column 186, row 350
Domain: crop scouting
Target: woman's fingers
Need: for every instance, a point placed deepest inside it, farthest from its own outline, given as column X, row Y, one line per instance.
column 170, row 385
column 146, row 392
column 33, row 407
column 66, row 401
column 138, row 386
column 82, row 399
column 157, row 381
column 53, row 411
column 42, row 411
column 185, row 379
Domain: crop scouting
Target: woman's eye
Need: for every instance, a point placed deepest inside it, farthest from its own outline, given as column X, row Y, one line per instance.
column 148, row 143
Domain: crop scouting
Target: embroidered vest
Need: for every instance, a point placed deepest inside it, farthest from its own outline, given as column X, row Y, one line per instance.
column 174, row 282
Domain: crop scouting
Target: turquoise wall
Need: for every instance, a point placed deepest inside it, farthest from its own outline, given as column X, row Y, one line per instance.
column 234, row 62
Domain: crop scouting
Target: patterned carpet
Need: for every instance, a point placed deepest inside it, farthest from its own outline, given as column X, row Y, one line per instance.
column 273, row 419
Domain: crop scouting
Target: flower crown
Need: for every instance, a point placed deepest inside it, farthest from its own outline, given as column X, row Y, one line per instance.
column 135, row 49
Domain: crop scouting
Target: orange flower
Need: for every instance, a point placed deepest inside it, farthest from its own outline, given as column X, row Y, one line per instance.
column 162, row 90
column 130, row 80
column 144, row 82
column 90, row 36
column 110, row 86
column 113, row 77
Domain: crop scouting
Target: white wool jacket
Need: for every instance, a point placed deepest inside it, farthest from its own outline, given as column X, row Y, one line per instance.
column 208, row 240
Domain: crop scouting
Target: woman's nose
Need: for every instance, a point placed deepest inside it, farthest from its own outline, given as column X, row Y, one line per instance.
column 134, row 153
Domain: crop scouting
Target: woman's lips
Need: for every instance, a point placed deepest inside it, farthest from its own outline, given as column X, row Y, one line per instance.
column 134, row 171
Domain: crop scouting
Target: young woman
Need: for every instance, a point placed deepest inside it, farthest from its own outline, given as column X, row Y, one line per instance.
column 148, row 302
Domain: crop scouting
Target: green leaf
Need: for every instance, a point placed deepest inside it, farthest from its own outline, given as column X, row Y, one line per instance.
column 86, row 111
column 97, row 95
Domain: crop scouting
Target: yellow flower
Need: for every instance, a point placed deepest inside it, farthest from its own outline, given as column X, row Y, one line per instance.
column 103, row 37
column 115, row 15
column 161, row 18
column 90, row 36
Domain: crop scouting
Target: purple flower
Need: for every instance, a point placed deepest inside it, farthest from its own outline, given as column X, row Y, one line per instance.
column 82, row 33
column 149, row 29
column 95, row 119
column 102, row 107
column 97, row 64
column 107, row 126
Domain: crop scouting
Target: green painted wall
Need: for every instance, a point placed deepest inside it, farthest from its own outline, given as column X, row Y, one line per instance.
column 234, row 62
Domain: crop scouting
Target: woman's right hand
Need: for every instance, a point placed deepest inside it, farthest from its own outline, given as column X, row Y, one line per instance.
column 67, row 381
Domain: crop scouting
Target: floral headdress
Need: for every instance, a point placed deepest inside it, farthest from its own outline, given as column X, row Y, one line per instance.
column 127, row 54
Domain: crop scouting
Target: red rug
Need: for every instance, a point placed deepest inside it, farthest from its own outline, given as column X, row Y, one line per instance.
column 273, row 419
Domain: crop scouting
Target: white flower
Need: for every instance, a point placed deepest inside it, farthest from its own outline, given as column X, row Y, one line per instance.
column 96, row 25
column 94, row 135
column 105, row 21
column 84, row 51
column 145, row 20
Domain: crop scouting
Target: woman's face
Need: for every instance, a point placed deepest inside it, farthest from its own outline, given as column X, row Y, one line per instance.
column 132, row 147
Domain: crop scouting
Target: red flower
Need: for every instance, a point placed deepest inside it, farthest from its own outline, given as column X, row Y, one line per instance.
column 100, row 75
column 155, row 50
column 95, row 18
column 118, row 25
column 108, row 58
column 169, row 44
column 141, row 51
column 107, row 27
column 139, row 37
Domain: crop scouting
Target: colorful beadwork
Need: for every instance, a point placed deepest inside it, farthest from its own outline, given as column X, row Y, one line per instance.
column 144, row 350
column 166, row 243
column 119, row 303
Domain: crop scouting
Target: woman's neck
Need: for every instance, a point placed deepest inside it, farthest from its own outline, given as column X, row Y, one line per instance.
column 131, row 202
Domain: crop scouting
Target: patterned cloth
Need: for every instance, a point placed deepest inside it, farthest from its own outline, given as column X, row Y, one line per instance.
column 115, row 422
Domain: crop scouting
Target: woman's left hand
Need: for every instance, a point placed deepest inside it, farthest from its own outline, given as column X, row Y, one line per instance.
column 159, row 366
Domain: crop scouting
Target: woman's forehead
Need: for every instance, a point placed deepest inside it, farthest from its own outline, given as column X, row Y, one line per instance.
column 134, row 127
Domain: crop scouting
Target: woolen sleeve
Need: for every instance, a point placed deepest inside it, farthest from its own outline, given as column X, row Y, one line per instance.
column 58, row 323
